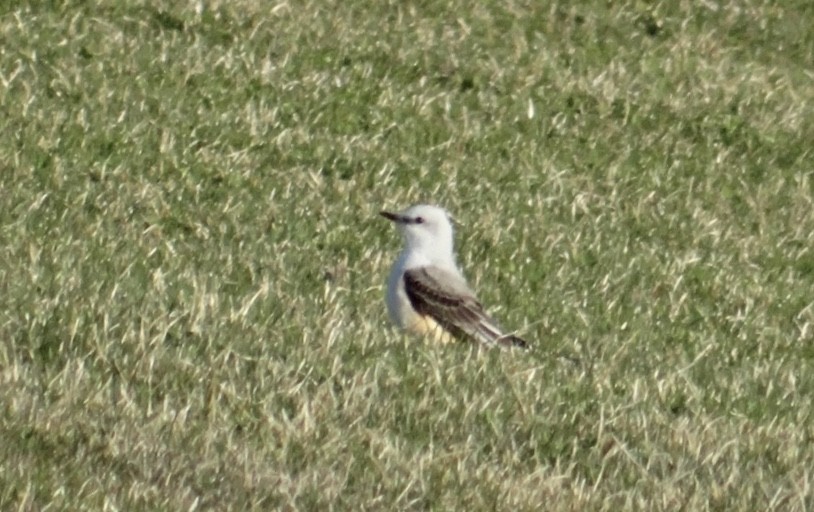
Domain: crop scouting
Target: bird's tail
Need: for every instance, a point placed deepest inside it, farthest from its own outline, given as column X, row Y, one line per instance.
column 491, row 333
column 510, row 340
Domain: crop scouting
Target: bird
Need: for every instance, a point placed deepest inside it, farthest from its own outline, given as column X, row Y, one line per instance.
column 426, row 292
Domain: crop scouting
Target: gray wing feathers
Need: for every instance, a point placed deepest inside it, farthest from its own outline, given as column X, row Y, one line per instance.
column 445, row 297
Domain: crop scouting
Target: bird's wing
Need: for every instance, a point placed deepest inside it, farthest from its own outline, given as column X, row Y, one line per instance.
column 445, row 296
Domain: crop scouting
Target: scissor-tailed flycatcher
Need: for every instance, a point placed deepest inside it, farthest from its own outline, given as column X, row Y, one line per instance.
column 426, row 292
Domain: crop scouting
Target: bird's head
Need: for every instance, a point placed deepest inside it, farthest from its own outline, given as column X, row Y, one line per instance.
column 425, row 228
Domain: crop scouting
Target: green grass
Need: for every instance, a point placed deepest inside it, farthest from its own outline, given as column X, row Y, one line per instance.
column 192, row 268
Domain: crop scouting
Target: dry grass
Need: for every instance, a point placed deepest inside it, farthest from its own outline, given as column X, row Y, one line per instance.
column 191, row 269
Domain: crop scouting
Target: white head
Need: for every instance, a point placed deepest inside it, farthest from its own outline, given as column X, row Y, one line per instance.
column 426, row 229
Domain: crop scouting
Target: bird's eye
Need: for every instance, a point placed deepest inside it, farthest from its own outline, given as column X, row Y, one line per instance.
column 419, row 220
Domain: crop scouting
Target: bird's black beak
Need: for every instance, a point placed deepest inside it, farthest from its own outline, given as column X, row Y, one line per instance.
column 391, row 216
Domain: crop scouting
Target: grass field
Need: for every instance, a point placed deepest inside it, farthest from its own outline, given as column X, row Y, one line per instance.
column 192, row 265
